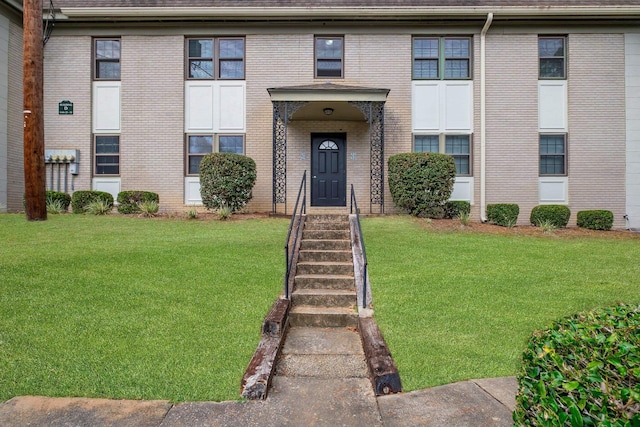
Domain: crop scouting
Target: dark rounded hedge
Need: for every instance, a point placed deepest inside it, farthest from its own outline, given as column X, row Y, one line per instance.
column 421, row 183
column 584, row 370
column 57, row 196
column 504, row 214
column 129, row 201
column 454, row 208
column 226, row 180
column 80, row 199
column 595, row 220
column 556, row 215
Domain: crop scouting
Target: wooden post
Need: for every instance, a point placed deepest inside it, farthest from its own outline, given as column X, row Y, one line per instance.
column 34, row 167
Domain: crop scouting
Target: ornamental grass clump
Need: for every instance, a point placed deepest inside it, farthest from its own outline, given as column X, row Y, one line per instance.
column 131, row 201
column 81, row 199
column 57, row 201
column 584, row 370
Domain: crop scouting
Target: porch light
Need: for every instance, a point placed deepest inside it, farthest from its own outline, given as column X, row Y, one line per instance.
column 328, row 111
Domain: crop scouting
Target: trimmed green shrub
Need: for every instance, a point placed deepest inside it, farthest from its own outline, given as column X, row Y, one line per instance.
column 455, row 208
column 504, row 214
column 226, row 180
column 584, row 370
column 595, row 220
column 81, row 199
column 58, row 197
column 129, row 201
column 555, row 215
column 421, row 183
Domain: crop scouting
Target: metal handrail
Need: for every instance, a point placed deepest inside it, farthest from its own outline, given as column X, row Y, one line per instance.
column 287, row 248
column 365, row 276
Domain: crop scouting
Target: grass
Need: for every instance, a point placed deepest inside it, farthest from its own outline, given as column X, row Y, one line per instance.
column 457, row 306
column 133, row 308
column 125, row 307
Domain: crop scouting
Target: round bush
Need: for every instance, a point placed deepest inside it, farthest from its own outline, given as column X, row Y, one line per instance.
column 80, row 199
column 226, row 180
column 421, row 183
column 454, row 208
column 58, row 197
column 584, row 370
column 595, row 220
column 129, row 201
column 556, row 215
column 504, row 214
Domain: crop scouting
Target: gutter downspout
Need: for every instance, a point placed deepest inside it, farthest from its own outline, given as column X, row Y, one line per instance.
column 483, row 124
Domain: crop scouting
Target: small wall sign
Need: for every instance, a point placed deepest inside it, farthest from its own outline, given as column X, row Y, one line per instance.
column 65, row 107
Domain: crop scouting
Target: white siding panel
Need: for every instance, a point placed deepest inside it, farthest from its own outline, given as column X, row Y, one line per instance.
column 552, row 106
column 463, row 189
column 426, row 106
column 199, row 107
column 231, row 107
column 192, row 191
column 632, row 73
column 554, row 190
column 106, row 107
column 108, row 185
column 458, row 104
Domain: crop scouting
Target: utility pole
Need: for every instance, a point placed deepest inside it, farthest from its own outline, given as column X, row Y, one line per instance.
column 34, row 167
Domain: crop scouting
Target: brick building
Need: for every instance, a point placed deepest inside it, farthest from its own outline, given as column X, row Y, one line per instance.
column 538, row 103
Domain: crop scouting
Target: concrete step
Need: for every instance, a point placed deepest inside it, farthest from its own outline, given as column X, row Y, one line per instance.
column 325, row 255
column 333, row 225
column 331, row 268
column 326, row 234
column 323, row 317
column 324, row 297
column 322, row 366
column 327, row 218
column 323, row 281
column 324, row 244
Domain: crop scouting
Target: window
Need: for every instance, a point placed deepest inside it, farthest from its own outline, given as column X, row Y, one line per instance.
column 215, row 58
column 458, row 146
column 199, row 146
column 441, row 57
column 107, row 155
column 552, row 56
column 553, row 155
column 106, row 53
column 329, row 52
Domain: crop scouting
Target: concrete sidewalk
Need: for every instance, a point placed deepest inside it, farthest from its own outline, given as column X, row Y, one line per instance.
column 292, row 402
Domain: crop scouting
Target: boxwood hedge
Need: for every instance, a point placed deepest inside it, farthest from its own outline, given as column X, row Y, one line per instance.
column 454, row 208
column 129, row 201
column 80, row 199
column 595, row 220
column 58, row 197
column 556, row 215
column 504, row 214
column 584, row 370
column 226, row 180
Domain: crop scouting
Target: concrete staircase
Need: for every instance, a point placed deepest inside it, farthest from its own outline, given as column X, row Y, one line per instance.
column 324, row 293
column 322, row 341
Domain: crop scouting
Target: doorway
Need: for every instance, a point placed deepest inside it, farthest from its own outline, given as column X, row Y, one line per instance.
column 328, row 169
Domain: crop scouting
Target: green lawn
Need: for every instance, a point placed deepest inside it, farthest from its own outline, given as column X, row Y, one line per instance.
column 133, row 308
column 125, row 307
column 455, row 306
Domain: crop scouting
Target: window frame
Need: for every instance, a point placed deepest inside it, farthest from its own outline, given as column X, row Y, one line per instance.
column 442, row 58
column 97, row 155
column 216, row 58
column 442, row 145
column 565, row 155
column 316, row 58
column 215, row 148
column 95, row 61
column 563, row 57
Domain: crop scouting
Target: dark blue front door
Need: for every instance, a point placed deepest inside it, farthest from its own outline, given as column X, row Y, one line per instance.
column 328, row 170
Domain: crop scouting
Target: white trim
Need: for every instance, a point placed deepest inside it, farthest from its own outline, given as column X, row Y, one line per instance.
column 463, row 189
column 192, row 195
column 107, row 106
column 552, row 106
column 110, row 185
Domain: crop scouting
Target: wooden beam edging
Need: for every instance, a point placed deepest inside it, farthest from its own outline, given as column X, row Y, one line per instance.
column 382, row 370
column 257, row 378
